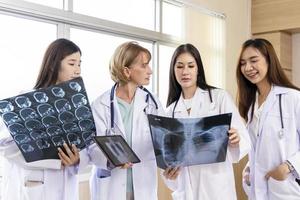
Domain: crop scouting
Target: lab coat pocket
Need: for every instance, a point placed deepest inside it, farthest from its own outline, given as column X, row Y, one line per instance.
column 282, row 189
column 33, row 190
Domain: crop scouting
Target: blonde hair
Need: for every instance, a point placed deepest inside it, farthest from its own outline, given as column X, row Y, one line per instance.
column 124, row 56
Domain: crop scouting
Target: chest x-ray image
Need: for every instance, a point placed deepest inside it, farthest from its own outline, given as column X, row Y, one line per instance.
column 189, row 141
column 42, row 120
column 116, row 149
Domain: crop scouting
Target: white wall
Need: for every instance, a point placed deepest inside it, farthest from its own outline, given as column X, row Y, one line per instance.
column 296, row 58
column 237, row 25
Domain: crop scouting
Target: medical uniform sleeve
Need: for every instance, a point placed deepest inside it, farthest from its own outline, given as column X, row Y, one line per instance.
column 228, row 106
column 295, row 158
column 95, row 155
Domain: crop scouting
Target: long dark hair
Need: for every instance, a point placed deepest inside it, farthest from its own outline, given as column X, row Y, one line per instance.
column 174, row 87
column 275, row 75
column 55, row 53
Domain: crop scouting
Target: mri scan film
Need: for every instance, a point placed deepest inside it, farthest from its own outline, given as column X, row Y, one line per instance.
column 44, row 119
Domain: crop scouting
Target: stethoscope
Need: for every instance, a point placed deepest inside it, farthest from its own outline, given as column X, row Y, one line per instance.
column 103, row 173
column 173, row 111
column 281, row 132
column 112, row 95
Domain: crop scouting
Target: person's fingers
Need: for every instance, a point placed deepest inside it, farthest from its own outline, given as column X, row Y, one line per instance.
column 63, row 156
column 75, row 150
column 126, row 166
column 268, row 175
column 231, row 131
column 64, row 163
column 69, row 151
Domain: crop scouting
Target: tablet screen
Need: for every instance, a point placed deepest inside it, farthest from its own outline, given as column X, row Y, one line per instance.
column 116, row 149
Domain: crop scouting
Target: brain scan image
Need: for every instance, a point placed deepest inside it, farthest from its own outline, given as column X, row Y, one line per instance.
column 75, row 86
column 26, row 148
column 66, row 117
column 17, row 128
column 43, row 144
column 83, row 112
column 70, row 127
column 54, row 130
column 33, row 124
column 22, row 138
column 23, row 102
column 40, row 97
column 50, row 121
column 58, row 92
column 79, row 100
column 58, row 140
column 10, row 118
column 73, row 139
column 45, row 110
column 88, row 137
column 38, row 134
column 6, row 106
column 62, row 105
column 86, row 124
column 28, row 113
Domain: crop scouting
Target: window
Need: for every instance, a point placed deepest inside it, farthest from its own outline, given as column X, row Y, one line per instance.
column 97, row 49
column 165, row 55
column 131, row 12
column 21, row 54
column 172, row 14
column 51, row 3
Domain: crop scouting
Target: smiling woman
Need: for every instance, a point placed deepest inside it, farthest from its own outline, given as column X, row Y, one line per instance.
column 45, row 179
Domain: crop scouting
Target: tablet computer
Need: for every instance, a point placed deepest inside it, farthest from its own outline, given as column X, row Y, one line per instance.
column 116, row 149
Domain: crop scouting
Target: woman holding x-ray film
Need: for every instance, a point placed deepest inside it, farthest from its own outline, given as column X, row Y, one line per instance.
column 191, row 97
column 52, row 178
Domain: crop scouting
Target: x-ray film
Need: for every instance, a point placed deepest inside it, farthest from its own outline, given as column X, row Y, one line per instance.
column 42, row 120
column 116, row 149
column 189, row 141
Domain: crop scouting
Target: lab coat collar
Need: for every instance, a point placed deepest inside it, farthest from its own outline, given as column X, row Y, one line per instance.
column 139, row 105
column 270, row 101
column 199, row 94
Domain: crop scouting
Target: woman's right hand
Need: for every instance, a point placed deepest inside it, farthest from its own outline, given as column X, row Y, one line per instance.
column 172, row 172
column 246, row 175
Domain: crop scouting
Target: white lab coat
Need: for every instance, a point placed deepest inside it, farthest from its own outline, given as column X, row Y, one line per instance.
column 144, row 173
column 270, row 150
column 210, row 181
column 58, row 184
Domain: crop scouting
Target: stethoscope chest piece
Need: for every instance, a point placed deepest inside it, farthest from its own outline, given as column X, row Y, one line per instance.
column 280, row 133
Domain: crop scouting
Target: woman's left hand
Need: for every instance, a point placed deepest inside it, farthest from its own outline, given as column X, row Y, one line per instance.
column 72, row 156
column 234, row 138
column 280, row 173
